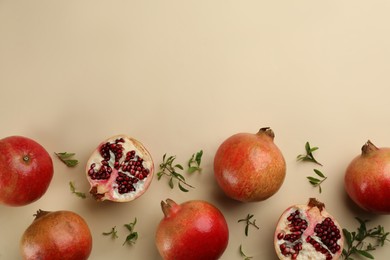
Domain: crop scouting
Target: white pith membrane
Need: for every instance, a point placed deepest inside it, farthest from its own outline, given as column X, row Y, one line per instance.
column 300, row 248
column 108, row 189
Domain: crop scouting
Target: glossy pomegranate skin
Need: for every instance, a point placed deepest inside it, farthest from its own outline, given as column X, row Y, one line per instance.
column 367, row 179
column 26, row 170
column 57, row 235
column 250, row 167
column 192, row 230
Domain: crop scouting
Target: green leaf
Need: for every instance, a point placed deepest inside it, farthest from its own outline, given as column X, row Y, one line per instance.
column 173, row 172
column 313, row 180
column 348, row 237
column 71, row 163
column 133, row 236
column 65, row 158
column 171, row 183
column 319, row 173
column 365, row 254
column 77, row 193
column 192, row 169
column 65, row 155
column 198, row 157
column 182, row 188
column 113, row 233
column 179, row 166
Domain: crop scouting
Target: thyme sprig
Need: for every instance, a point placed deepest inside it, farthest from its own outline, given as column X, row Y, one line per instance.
column 65, row 157
column 168, row 168
column 357, row 244
column 133, row 236
column 77, row 193
column 243, row 254
column 309, row 154
column 315, row 181
column 248, row 223
column 194, row 162
column 112, row 233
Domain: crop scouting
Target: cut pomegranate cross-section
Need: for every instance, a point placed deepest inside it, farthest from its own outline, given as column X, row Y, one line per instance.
column 120, row 169
column 308, row 232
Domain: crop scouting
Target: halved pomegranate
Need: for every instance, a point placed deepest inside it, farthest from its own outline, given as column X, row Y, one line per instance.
column 120, row 169
column 308, row 232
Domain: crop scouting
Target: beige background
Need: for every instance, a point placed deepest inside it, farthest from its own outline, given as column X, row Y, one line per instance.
column 181, row 76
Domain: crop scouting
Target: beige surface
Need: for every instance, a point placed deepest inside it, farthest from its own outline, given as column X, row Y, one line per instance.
column 182, row 76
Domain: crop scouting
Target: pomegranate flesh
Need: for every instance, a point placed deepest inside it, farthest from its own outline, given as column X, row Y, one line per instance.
column 308, row 232
column 250, row 167
column 26, row 170
column 192, row 230
column 367, row 179
column 120, row 169
column 56, row 235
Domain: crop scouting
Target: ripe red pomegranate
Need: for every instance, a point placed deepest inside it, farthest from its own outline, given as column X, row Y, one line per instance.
column 308, row 232
column 192, row 230
column 120, row 169
column 56, row 235
column 26, row 170
column 250, row 167
column 367, row 179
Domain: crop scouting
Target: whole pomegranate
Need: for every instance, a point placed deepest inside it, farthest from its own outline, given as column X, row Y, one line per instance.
column 192, row 230
column 26, row 170
column 367, row 179
column 56, row 235
column 308, row 232
column 250, row 167
column 120, row 169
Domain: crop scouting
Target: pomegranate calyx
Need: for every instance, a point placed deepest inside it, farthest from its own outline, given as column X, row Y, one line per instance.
column 94, row 192
column 40, row 213
column 313, row 202
column 267, row 131
column 168, row 206
column 26, row 159
column 368, row 148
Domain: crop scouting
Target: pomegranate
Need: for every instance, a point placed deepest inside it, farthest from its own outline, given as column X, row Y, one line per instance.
column 26, row 170
column 308, row 232
column 120, row 169
column 367, row 179
column 192, row 230
column 250, row 167
column 56, row 235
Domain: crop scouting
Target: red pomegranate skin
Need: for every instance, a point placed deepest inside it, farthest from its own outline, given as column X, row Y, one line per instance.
column 367, row 179
column 193, row 230
column 249, row 167
column 56, row 235
column 26, row 170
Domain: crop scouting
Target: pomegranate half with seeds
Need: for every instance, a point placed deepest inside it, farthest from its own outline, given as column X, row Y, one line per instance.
column 120, row 169
column 308, row 232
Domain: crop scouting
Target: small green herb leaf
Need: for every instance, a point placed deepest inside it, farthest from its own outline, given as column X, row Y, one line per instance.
column 309, row 154
column 194, row 162
column 248, row 222
column 356, row 242
column 172, row 171
column 66, row 158
column 133, row 236
column 243, row 254
column 112, row 233
column 77, row 193
column 315, row 181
